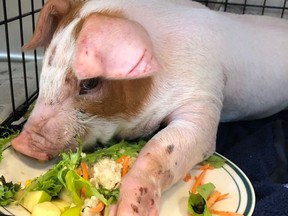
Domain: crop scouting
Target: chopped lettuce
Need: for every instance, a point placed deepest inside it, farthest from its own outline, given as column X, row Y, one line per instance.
column 8, row 191
column 197, row 202
column 74, row 183
column 214, row 161
column 115, row 151
column 53, row 180
column 6, row 137
column 63, row 174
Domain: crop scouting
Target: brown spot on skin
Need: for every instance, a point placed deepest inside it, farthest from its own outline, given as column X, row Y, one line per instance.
column 125, row 98
column 159, row 172
column 134, row 208
column 139, row 200
column 143, row 191
column 167, row 173
column 152, row 202
column 170, row 149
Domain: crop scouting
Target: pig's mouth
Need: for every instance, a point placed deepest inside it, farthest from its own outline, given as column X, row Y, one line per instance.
column 36, row 146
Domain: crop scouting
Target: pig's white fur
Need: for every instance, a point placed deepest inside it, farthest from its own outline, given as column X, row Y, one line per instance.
column 243, row 51
column 213, row 65
column 217, row 46
column 208, row 58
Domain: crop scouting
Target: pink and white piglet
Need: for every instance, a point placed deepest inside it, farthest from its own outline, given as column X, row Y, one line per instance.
column 122, row 68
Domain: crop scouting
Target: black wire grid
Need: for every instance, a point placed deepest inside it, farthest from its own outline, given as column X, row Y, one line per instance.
column 276, row 8
column 5, row 23
column 261, row 7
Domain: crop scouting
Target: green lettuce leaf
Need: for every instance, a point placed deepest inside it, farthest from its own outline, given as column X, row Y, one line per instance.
column 53, row 180
column 6, row 137
column 74, row 183
column 214, row 161
column 8, row 191
column 115, row 151
column 197, row 202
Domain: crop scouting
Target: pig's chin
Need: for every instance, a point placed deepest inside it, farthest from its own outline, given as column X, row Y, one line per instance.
column 39, row 147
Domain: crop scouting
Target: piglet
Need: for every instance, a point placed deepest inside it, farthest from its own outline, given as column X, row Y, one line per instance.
column 115, row 68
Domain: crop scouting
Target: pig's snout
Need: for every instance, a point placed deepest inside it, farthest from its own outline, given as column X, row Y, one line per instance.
column 23, row 143
column 46, row 133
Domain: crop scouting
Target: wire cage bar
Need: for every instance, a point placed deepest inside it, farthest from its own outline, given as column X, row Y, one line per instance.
column 17, row 23
column 19, row 71
column 277, row 8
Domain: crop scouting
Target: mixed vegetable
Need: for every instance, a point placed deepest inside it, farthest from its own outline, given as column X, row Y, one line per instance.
column 88, row 183
column 80, row 184
column 8, row 191
column 203, row 196
column 6, row 136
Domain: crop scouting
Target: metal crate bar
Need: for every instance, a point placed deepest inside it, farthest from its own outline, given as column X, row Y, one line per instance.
column 17, row 111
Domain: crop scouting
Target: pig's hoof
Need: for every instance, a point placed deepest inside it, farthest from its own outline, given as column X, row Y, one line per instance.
column 138, row 196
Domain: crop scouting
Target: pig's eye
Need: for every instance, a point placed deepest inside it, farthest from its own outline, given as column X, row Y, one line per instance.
column 87, row 85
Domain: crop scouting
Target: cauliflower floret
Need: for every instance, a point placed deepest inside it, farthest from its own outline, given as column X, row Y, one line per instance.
column 106, row 173
column 90, row 203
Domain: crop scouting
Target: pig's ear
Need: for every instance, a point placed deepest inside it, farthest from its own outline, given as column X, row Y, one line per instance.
column 114, row 48
column 47, row 23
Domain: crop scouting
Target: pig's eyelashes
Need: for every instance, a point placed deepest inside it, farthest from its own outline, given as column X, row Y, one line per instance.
column 87, row 85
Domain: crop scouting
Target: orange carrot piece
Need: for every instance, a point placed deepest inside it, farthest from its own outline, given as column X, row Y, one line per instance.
column 85, row 172
column 121, row 159
column 206, row 166
column 124, row 159
column 224, row 213
column 198, row 181
column 82, row 192
column 125, row 166
column 187, row 177
column 98, row 208
column 212, row 198
column 221, row 197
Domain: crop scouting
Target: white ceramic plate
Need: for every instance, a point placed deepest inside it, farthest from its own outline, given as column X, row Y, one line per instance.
column 229, row 179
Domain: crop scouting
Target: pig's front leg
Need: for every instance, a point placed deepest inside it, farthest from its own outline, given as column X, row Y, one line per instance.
column 188, row 138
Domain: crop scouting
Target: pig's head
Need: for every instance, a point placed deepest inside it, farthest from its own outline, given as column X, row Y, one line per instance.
column 87, row 84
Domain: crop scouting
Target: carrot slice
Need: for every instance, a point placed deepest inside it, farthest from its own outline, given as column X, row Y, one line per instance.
column 198, row 181
column 205, row 167
column 221, row 197
column 224, row 213
column 125, row 166
column 212, row 199
column 121, row 159
column 187, row 177
column 124, row 159
column 98, row 208
column 82, row 192
column 85, row 172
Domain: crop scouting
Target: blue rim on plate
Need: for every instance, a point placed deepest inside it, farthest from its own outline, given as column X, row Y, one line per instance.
column 248, row 186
